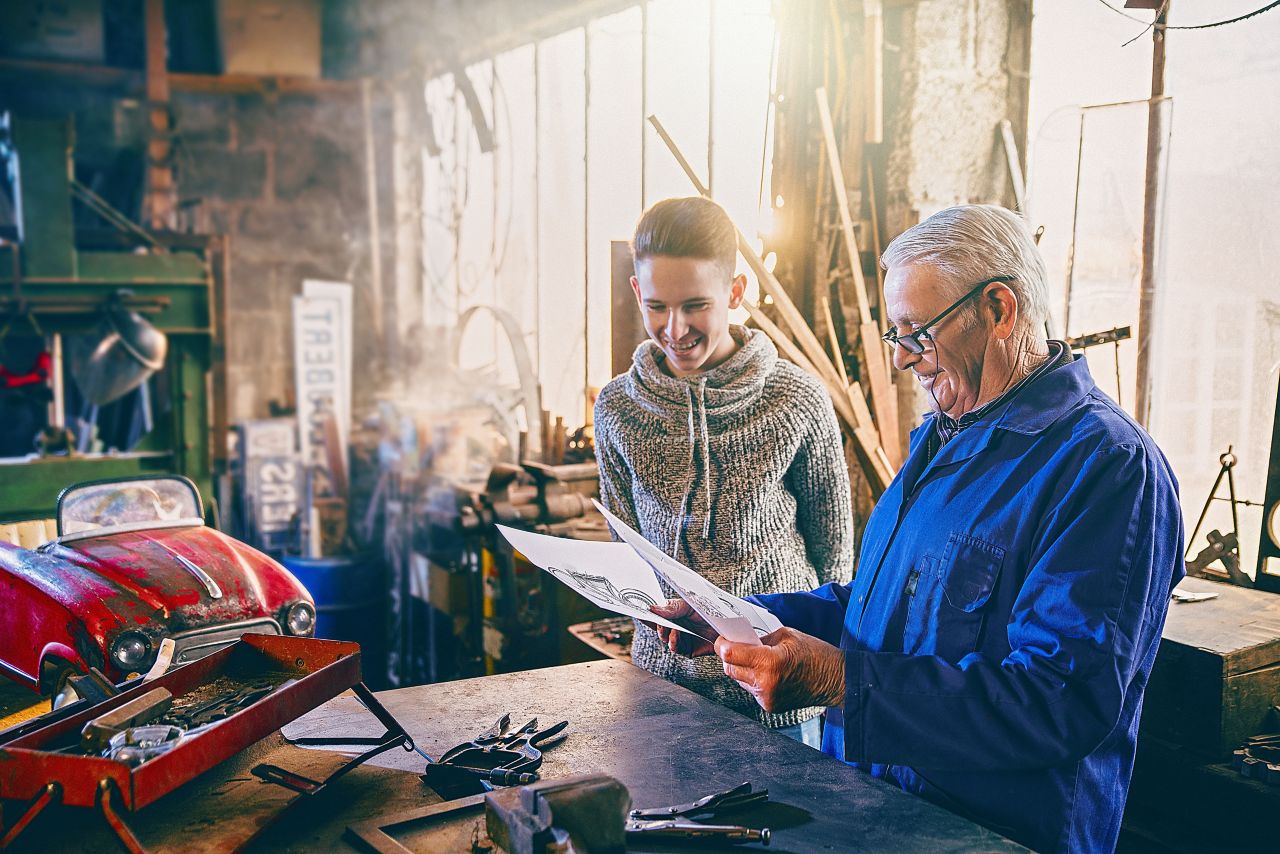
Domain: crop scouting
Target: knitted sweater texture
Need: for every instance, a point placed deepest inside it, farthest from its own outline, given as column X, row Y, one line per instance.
column 739, row 473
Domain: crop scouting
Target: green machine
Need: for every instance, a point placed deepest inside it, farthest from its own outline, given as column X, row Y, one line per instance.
column 58, row 283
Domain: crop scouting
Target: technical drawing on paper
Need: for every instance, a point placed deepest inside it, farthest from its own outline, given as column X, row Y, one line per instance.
column 600, row 589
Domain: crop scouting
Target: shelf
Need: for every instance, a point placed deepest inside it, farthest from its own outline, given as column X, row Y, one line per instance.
column 134, row 80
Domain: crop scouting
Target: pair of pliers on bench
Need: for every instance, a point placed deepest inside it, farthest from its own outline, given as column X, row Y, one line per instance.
column 676, row 821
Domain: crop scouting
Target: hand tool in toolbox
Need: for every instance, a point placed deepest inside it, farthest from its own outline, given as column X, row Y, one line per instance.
column 304, row 673
column 1259, row 758
column 676, row 821
column 499, row 755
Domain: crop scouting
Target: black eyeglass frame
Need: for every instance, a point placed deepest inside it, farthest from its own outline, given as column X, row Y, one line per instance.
column 911, row 343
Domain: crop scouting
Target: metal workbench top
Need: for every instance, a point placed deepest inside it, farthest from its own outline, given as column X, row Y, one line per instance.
column 668, row 745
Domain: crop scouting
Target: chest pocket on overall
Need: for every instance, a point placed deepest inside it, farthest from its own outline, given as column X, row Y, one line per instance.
column 946, row 598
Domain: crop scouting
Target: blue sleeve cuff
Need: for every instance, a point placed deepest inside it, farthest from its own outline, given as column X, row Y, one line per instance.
column 855, row 696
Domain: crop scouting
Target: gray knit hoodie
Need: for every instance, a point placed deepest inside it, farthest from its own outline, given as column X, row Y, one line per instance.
column 737, row 472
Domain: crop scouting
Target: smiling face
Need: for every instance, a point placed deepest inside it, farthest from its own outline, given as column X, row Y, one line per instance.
column 951, row 367
column 685, row 304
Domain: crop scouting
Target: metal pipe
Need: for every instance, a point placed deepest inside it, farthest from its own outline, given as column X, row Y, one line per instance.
column 586, row 223
column 1150, row 219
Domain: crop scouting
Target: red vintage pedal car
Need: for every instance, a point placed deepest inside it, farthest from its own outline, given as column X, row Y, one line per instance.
column 133, row 564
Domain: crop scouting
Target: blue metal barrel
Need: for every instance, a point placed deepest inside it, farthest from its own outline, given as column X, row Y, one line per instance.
column 350, row 595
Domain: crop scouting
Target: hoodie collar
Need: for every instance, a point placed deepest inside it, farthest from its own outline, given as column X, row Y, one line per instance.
column 726, row 389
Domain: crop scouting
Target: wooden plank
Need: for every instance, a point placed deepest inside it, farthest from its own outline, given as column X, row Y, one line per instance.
column 842, row 203
column 873, row 56
column 837, row 353
column 371, row 205
column 883, row 396
column 792, row 352
column 866, row 441
column 883, row 401
column 1015, row 167
column 877, row 246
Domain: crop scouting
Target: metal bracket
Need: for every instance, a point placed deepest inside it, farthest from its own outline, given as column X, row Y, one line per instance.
column 106, row 791
column 395, row 736
column 52, row 794
column 374, row 836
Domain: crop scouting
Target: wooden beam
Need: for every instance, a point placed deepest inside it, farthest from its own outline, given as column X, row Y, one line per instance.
column 1015, row 166
column 161, row 201
column 842, row 202
column 373, row 208
column 837, row 353
column 873, row 57
column 882, row 398
column 132, row 81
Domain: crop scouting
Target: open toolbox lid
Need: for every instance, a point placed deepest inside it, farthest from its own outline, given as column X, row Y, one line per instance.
column 323, row 669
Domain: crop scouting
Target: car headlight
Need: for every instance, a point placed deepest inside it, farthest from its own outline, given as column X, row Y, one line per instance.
column 301, row 619
column 131, row 651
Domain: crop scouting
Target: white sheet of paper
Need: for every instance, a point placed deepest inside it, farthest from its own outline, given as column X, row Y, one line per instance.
column 611, row 575
column 732, row 617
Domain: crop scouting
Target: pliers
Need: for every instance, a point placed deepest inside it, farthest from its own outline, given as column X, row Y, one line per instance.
column 498, row 755
column 675, row 821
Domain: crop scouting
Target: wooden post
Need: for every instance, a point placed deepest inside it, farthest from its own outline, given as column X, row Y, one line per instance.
column 873, row 56
column 371, row 199
column 161, row 202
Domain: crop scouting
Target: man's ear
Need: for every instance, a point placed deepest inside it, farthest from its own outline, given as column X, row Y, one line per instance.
column 1003, row 305
column 737, row 290
column 635, row 286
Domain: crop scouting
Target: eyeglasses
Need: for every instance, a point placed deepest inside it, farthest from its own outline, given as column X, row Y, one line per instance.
column 911, row 343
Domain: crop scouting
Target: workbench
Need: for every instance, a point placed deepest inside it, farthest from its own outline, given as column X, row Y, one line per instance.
column 667, row 744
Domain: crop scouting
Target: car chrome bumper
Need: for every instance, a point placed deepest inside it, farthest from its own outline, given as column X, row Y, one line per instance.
column 193, row 645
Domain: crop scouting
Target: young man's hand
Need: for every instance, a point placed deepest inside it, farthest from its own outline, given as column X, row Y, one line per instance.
column 791, row 670
column 679, row 611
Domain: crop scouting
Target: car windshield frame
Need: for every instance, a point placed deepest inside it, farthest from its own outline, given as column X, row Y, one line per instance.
column 187, row 508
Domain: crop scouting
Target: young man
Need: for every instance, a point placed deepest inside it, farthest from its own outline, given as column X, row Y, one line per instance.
column 715, row 449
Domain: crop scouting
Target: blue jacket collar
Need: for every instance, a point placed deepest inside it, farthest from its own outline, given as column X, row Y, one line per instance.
column 1029, row 412
column 1047, row 399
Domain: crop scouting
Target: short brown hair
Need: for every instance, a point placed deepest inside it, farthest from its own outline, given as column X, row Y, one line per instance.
column 691, row 227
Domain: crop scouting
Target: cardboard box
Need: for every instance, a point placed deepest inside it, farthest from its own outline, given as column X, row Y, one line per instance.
column 270, row 37
column 66, row 30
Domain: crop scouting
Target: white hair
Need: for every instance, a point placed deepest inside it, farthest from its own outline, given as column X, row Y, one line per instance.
column 969, row 243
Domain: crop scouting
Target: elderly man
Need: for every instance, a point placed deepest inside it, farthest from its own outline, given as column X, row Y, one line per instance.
column 992, row 651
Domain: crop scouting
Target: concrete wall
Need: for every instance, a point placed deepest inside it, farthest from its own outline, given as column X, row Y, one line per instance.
column 284, row 178
column 954, row 69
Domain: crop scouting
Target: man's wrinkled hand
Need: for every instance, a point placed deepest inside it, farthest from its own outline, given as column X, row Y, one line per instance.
column 680, row 643
column 790, row 670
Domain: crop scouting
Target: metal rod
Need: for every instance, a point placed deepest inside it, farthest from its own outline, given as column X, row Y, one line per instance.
column 1075, row 220
column 537, row 206
column 644, row 101
column 711, row 95
column 1150, row 220
column 371, row 200
column 586, row 223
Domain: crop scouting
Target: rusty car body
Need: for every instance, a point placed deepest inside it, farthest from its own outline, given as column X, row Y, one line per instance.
column 133, row 564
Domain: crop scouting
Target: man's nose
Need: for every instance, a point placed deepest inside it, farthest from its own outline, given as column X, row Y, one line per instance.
column 904, row 358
